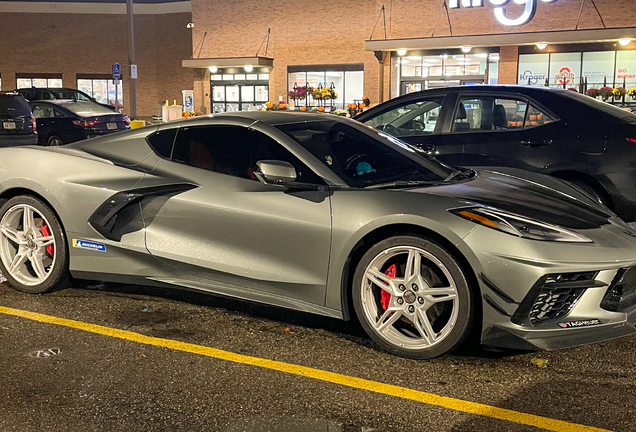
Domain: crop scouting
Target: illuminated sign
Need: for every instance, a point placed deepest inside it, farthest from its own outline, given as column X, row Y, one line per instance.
column 500, row 11
column 532, row 78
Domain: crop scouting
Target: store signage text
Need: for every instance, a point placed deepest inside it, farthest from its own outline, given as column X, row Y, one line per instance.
column 533, row 77
column 622, row 74
column 500, row 11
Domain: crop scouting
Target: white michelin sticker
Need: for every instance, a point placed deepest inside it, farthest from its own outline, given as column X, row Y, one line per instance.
column 85, row 244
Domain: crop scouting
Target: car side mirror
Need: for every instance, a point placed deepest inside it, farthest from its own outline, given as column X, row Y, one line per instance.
column 275, row 172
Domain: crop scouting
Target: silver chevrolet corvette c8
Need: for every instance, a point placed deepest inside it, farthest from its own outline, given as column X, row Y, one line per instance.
column 322, row 214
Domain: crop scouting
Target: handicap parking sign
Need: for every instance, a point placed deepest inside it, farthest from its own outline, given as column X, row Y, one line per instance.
column 116, row 71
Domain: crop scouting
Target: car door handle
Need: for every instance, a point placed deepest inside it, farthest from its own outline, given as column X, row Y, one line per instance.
column 429, row 149
column 536, row 143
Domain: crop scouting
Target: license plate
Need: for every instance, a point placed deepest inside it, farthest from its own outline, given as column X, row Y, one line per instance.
column 111, row 126
column 8, row 125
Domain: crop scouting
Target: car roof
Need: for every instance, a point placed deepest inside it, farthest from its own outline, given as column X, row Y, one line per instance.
column 278, row 117
column 517, row 88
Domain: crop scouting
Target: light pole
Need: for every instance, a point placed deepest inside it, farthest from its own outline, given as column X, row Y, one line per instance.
column 131, row 58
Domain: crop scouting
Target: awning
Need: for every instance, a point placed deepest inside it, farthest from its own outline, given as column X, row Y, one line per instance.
column 229, row 62
column 503, row 39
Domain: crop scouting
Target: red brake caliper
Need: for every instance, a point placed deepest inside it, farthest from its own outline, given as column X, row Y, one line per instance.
column 385, row 298
column 46, row 232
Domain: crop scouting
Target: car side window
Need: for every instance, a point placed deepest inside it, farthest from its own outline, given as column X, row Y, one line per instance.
column 161, row 142
column 536, row 117
column 416, row 118
column 31, row 95
column 58, row 114
column 43, row 111
column 489, row 113
column 233, row 150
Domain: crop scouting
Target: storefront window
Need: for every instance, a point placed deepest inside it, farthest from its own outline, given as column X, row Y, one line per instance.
column 626, row 69
column 238, row 92
column 38, row 82
column 598, row 67
column 103, row 90
column 533, row 68
column 348, row 84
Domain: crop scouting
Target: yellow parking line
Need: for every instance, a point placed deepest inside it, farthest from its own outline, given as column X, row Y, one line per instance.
column 345, row 380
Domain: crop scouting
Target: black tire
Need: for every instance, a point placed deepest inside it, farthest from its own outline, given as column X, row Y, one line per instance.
column 466, row 309
column 592, row 191
column 54, row 141
column 58, row 275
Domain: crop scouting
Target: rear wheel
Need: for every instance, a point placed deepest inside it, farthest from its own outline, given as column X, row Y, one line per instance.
column 33, row 247
column 54, row 140
column 412, row 297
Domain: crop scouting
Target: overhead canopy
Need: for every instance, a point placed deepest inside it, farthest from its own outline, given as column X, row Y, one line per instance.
column 228, row 62
column 504, row 39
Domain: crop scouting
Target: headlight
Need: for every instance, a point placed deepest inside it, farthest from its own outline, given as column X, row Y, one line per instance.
column 519, row 226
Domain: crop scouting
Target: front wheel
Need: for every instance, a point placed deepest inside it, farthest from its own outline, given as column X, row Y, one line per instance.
column 412, row 297
column 33, row 247
column 54, row 141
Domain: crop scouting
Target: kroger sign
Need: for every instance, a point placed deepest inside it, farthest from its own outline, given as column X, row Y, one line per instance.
column 500, row 10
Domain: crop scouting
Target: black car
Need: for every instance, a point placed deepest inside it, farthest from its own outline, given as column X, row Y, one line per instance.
column 48, row 93
column 557, row 132
column 65, row 121
column 17, row 124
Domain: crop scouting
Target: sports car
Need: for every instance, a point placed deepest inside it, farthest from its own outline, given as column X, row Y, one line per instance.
column 325, row 215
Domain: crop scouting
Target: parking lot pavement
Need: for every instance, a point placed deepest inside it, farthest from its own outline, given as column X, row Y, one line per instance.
column 60, row 378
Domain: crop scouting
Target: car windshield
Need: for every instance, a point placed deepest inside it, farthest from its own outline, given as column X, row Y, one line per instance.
column 13, row 105
column 70, row 94
column 363, row 156
column 86, row 108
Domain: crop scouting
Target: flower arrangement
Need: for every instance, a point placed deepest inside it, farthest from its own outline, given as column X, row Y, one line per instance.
column 189, row 114
column 619, row 92
column 605, row 92
column 300, row 93
column 632, row 92
column 340, row 112
column 593, row 92
column 328, row 93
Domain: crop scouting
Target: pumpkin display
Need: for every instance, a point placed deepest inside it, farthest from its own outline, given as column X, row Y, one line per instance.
column 302, row 108
column 321, row 109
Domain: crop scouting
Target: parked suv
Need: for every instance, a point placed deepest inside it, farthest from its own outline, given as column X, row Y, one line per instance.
column 17, row 124
column 38, row 93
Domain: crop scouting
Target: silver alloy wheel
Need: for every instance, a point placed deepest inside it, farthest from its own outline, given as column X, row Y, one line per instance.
column 54, row 141
column 407, row 321
column 23, row 246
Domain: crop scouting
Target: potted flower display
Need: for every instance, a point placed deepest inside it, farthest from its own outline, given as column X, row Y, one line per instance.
column 619, row 93
column 632, row 92
column 593, row 92
column 605, row 92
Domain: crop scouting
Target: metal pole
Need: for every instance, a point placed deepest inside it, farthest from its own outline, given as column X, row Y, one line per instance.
column 131, row 57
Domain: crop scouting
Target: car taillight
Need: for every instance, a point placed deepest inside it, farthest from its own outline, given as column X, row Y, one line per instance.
column 85, row 123
column 127, row 120
column 632, row 140
column 33, row 122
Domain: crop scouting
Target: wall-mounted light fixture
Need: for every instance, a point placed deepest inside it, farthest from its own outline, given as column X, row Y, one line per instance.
column 624, row 41
column 213, row 69
column 542, row 45
column 401, row 52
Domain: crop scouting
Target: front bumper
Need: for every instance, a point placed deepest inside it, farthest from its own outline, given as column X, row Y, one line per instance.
column 526, row 304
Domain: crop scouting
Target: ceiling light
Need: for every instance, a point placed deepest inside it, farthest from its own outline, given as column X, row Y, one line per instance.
column 542, row 45
column 213, row 69
column 190, row 25
column 248, row 68
column 466, row 49
column 401, row 51
column 624, row 41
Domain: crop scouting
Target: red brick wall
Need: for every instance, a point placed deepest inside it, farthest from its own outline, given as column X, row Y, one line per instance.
column 83, row 44
column 310, row 32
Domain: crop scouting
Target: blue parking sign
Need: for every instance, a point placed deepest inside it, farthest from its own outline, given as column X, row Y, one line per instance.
column 116, row 71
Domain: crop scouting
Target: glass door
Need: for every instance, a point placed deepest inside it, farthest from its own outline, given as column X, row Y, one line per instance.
column 232, row 96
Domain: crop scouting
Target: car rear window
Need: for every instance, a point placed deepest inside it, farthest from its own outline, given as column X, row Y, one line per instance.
column 13, row 105
column 69, row 94
column 86, row 108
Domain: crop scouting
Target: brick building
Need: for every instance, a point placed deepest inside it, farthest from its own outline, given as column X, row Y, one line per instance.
column 241, row 53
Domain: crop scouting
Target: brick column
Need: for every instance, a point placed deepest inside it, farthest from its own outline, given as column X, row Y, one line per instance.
column 508, row 64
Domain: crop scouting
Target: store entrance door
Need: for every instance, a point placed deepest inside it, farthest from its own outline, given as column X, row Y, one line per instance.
column 415, row 86
column 238, row 95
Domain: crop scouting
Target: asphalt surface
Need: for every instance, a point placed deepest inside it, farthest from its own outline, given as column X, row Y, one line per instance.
column 59, row 378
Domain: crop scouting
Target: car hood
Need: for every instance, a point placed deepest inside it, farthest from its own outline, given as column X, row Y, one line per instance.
column 535, row 196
